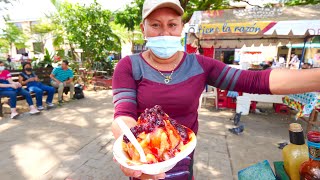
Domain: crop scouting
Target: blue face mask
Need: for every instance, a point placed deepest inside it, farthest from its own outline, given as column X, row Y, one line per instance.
column 164, row 47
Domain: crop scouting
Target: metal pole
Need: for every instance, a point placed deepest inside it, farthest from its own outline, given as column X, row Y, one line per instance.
column 289, row 56
column 303, row 52
column 185, row 41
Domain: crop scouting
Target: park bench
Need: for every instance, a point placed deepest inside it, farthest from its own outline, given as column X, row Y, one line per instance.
column 44, row 77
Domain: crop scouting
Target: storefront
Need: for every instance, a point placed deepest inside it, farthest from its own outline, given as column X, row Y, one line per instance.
column 253, row 35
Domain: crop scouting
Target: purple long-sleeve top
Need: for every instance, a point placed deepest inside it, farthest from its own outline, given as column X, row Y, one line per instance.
column 137, row 86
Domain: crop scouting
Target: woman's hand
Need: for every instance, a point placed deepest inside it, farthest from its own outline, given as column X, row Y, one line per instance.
column 18, row 84
column 139, row 174
column 31, row 79
column 14, row 86
column 130, row 122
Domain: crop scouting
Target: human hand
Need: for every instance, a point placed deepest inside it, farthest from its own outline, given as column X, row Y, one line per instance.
column 36, row 78
column 31, row 79
column 18, row 84
column 139, row 174
column 14, row 86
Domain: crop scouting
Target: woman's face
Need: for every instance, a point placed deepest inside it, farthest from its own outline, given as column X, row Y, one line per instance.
column 162, row 22
column 2, row 67
column 27, row 66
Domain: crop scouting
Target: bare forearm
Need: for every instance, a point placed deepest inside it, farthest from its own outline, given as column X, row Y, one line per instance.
column 283, row 81
column 5, row 85
column 54, row 78
column 116, row 129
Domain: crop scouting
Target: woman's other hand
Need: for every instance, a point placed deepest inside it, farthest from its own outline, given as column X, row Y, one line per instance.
column 139, row 174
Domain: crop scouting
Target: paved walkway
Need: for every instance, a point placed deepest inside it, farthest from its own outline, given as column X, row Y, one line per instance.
column 74, row 141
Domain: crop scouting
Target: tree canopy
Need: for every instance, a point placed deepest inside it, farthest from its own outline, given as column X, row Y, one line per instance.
column 131, row 15
column 190, row 6
column 87, row 28
column 13, row 35
column 301, row 2
column 41, row 32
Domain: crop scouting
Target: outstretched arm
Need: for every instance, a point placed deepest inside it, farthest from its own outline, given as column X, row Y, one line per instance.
column 277, row 81
column 285, row 81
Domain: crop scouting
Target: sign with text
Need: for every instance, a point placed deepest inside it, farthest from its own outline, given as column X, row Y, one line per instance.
column 251, row 28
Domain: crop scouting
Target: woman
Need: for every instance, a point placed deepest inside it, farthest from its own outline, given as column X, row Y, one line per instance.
column 163, row 75
column 11, row 89
column 31, row 80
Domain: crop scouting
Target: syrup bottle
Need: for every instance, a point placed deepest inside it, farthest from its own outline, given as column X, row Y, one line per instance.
column 296, row 152
column 310, row 170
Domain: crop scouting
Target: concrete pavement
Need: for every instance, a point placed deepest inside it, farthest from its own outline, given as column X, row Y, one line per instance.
column 75, row 142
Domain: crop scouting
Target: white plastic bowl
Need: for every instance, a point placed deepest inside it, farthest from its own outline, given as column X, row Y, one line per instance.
column 155, row 168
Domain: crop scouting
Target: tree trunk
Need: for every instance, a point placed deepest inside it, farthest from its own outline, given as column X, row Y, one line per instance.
column 132, row 44
column 72, row 53
column 11, row 49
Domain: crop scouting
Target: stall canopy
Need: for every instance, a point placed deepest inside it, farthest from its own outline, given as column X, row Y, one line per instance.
column 236, row 28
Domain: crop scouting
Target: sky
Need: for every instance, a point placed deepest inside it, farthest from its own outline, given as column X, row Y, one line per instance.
column 35, row 9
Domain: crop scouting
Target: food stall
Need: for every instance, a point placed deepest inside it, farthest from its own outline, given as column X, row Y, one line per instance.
column 264, row 30
column 255, row 35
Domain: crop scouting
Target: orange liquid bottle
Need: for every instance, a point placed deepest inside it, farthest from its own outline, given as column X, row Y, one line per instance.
column 296, row 152
column 310, row 170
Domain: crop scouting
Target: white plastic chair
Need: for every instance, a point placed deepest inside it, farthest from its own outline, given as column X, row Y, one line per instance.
column 212, row 92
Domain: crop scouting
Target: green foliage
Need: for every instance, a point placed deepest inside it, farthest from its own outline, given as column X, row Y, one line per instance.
column 87, row 27
column 129, row 19
column 127, row 36
column 4, row 45
column 47, row 60
column 131, row 16
column 190, row 6
column 42, row 30
column 13, row 35
column 301, row 2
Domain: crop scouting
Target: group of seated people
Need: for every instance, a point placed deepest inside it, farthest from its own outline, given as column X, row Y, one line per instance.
column 29, row 83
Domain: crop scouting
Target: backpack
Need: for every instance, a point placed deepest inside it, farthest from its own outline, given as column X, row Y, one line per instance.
column 78, row 91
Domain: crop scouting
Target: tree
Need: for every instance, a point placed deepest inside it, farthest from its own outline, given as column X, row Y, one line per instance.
column 301, row 2
column 87, row 27
column 131, row 15
column 12, row 35
column 3, row 3
column 130, row 18
column 190, row 6
column 4, row 45
column 42, row 32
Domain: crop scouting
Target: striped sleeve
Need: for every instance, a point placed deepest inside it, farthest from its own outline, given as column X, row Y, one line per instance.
column 54, row 71
column 222, row 76
column 124, row 90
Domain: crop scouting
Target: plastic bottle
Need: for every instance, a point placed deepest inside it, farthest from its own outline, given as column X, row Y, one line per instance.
column 295, row 153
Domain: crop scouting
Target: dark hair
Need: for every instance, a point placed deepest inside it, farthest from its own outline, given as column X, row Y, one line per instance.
column 66, row 62
column 1, row 62
column 24, row 65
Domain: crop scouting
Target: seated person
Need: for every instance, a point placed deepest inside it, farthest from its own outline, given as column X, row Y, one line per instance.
column 62, row 77
column 306, row 66
column 11, row 89
column 31, row 80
